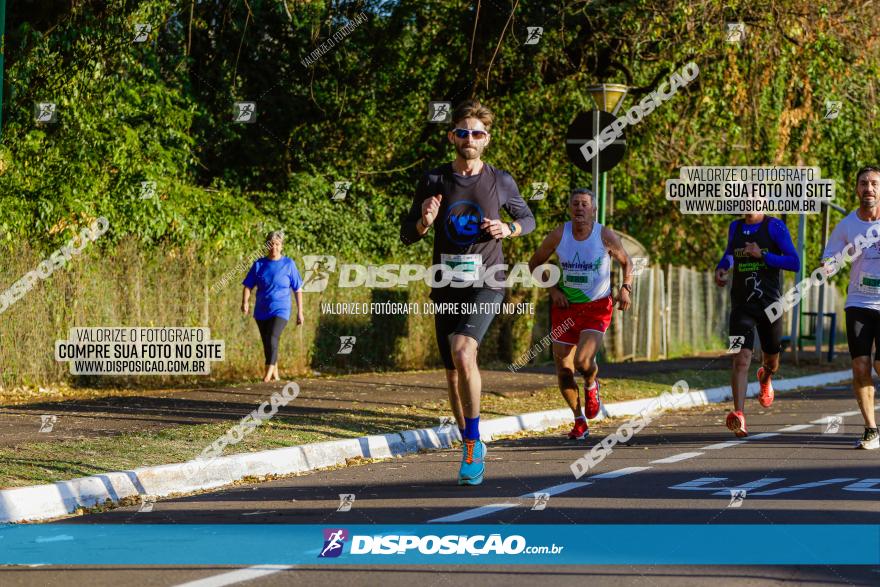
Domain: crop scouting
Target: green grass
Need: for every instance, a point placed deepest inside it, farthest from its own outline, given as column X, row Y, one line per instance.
column 46, row 462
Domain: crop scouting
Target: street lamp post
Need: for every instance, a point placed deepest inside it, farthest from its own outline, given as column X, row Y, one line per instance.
column 609, row 98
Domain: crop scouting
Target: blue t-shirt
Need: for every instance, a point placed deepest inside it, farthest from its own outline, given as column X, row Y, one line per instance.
column 274, row 280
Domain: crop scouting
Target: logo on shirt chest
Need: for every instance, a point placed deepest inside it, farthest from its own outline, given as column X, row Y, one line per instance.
column 741, row 253
column 463, row 219
column 746, row 263
column 577, row 264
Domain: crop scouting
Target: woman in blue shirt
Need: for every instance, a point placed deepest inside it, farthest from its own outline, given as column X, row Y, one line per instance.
column 274, row 276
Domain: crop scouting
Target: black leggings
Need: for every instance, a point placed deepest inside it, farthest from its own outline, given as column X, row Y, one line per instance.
column 270, row 332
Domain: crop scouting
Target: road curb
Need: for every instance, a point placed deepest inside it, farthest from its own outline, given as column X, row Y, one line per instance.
column 43, row 502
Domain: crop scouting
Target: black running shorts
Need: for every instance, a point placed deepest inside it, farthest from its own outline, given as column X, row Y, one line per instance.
column 745, row 318
column 862, row 331
column 470, row 323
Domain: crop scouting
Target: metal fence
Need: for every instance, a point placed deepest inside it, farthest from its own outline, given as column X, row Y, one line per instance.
column 679, row 311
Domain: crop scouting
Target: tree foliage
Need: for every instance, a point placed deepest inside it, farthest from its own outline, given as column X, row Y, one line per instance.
column 162, row 111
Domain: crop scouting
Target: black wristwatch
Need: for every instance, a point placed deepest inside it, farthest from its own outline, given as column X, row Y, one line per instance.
column 512, row 228
column 627, row 286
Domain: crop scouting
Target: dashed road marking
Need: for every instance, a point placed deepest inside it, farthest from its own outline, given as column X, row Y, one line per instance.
column 479, row 512
column 676, row 458
column 722, row 445
column 498, row 507
column 619, row 473
column 763, row 435
column 239, row 576
column 796, row 428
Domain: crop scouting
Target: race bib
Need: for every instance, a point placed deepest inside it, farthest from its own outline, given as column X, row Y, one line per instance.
column 462, row 267
column 869, row 284
column 576, row 279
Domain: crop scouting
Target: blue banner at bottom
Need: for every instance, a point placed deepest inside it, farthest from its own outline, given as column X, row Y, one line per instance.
column 424, row 544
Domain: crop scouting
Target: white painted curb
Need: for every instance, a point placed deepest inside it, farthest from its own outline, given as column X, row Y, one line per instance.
column 42, row 502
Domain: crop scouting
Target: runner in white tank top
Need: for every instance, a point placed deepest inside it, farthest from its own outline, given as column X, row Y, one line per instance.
column 585, row 264
column 581, row 303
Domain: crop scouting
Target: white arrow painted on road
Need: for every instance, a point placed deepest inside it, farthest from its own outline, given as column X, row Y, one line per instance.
column 864, row 485
column 804, row 486
column 702, row 484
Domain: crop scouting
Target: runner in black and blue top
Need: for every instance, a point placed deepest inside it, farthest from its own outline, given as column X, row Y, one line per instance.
column 463, row 201
column 759, row 248
column 274, row 276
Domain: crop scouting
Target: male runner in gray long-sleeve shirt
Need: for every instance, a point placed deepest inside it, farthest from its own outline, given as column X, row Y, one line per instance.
column 463, row 202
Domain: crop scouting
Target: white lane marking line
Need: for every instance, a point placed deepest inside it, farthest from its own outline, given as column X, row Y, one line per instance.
column 557, row 489
column 721, row 445
column 238, row 576
column 848, row 414
column 676, row 458
column 618, row 473
column 731, row 443
column 795, row 428
column 497, row 507
column 484, row 510
column 763, row 435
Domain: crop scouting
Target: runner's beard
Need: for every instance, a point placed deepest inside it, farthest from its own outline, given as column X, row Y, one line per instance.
column 468, row 153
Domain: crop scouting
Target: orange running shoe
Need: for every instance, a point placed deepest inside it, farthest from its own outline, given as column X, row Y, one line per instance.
column 766, row 395
column 736, row 422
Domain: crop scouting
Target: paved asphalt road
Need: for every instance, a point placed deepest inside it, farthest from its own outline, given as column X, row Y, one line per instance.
column 679, row 469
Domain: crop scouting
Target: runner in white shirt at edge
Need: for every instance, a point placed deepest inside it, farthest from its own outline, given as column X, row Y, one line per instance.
column 849, row 238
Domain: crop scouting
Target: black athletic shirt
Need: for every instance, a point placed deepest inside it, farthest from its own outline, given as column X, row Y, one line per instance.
column 753, row 282
column 467, row 201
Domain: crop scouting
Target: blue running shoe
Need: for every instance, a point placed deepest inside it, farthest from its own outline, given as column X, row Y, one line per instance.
column 473, row 452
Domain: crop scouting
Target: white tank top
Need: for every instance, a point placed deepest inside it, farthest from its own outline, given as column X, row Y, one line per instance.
column 586, row 266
